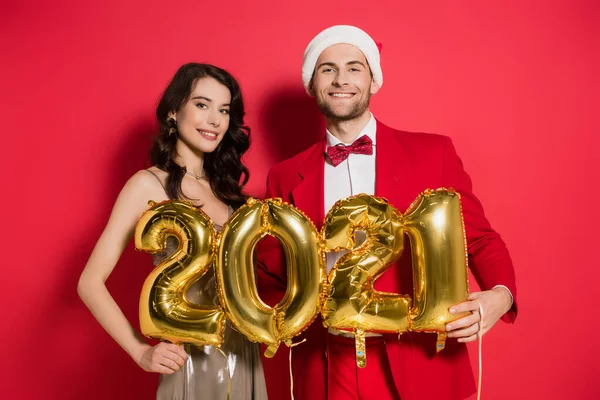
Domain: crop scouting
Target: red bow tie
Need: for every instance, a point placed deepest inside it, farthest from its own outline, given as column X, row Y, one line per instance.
column 340, row 152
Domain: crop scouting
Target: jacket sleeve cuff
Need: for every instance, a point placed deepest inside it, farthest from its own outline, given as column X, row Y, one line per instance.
column 511, row 314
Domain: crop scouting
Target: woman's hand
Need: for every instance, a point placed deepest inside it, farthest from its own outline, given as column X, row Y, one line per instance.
column 164, row 358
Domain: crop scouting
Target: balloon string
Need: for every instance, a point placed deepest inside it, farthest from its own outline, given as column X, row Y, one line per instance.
column 186, row 370
column 480, row 337
column 228, row 373
column 291, row 374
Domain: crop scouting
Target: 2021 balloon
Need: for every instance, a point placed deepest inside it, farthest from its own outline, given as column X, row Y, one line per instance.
column 346, row 297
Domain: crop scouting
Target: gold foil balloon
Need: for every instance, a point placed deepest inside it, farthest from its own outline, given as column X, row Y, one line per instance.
column 346, row 299
column 435, row 226
column 236, row 275
column 165, row 313
column 353, row 305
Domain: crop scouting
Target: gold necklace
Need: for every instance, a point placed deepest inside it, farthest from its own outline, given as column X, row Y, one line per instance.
column 198, row 177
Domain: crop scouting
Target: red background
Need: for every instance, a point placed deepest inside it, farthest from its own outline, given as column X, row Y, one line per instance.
column 515, row 84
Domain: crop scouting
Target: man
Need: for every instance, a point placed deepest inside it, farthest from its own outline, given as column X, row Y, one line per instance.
column 358, row 154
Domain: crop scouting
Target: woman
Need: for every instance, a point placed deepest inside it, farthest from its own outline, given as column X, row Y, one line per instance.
column 196, row 157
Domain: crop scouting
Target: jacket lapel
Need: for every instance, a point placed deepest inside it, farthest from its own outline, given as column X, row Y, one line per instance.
column 308, row 195
column 394, row 178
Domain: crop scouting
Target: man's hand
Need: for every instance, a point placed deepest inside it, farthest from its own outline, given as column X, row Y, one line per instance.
column 495, row 303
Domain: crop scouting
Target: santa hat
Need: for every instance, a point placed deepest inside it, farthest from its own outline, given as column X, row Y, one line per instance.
column 341, row 34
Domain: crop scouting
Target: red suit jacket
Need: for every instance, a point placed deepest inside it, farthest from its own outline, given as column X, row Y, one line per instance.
column 406, row 164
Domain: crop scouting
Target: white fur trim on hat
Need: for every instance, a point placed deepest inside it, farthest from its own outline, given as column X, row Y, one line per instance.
column 341, row 34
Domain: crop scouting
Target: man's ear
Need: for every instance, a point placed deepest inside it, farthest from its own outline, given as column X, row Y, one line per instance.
column 374, row 87
column 310, row 90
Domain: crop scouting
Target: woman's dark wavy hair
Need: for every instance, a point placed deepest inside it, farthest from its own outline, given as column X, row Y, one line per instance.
column 223, row 167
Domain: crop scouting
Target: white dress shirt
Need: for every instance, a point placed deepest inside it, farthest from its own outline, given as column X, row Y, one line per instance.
column 354, row 175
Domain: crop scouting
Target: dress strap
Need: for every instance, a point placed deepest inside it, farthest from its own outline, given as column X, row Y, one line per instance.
column 159, row 181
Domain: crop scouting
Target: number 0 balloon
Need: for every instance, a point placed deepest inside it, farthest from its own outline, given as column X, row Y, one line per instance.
column 235, row 271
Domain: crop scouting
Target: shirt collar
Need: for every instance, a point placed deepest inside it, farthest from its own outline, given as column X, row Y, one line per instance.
column 369, row 130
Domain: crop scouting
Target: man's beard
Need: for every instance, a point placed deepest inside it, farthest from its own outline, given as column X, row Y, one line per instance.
column 355, row 111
